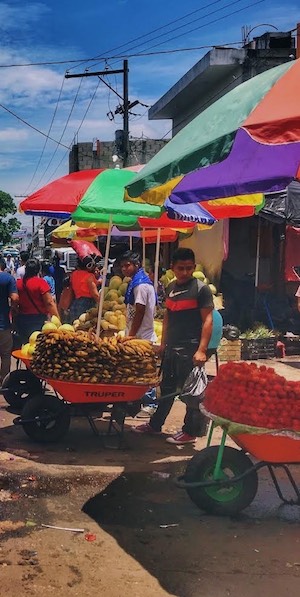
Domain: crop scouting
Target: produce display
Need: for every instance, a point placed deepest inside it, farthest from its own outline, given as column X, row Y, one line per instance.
column 199, row 273
column 81, row 357
column 256, row 396
column 114, row 309
column 258, row 332
column 54, row 324
column 169, row 276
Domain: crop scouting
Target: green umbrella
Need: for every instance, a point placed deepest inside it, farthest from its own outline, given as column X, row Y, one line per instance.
column 103, row 201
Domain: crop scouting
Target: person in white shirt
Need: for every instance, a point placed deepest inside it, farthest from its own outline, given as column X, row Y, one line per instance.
column 10, row 264
column 24, row 256
column 140, row 298
column 141, row 302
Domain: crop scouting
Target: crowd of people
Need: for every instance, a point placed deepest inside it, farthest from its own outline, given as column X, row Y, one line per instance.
column 32, row 291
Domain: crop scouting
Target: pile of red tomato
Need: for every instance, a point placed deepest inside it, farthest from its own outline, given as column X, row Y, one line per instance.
column 252, row 395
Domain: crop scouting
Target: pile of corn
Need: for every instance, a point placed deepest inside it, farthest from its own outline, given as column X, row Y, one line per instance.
column 81, row 357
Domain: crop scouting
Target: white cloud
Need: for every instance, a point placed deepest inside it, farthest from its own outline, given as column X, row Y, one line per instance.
column 22, row 15
column 11, row 134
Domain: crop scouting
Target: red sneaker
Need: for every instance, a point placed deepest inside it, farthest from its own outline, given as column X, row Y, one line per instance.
column 181, row 438
column 146, row 428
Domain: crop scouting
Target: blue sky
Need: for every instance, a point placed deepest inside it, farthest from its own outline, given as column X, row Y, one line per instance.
column 62, row 30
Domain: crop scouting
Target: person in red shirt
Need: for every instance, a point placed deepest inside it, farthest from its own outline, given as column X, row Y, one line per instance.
column 84, row 286
column 35, row 301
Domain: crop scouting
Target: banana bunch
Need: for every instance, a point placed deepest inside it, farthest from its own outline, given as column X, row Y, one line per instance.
column 81, row 357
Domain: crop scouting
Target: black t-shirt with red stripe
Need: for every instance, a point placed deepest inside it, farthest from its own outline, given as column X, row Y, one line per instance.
column 183, row 303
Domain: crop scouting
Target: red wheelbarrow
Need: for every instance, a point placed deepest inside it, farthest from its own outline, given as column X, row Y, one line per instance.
column 46, row 416
column 223, row 480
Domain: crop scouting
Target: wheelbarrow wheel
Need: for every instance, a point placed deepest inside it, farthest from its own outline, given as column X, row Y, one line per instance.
column 17, row 387
column 224, row 501
column 45, row 418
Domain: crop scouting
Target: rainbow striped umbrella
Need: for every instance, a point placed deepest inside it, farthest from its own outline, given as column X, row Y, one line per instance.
column 247, row 142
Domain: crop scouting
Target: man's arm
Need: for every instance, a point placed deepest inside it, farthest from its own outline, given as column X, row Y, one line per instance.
column 137, row 320
column 298, row 303
column 14, row 303
column 207, row 325
column 93, row 289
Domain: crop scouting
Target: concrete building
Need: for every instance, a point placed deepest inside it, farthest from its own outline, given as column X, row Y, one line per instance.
column 99, row 154
column 219, row 71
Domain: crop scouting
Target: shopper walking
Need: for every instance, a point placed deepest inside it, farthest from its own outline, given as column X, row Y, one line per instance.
column 9, row 301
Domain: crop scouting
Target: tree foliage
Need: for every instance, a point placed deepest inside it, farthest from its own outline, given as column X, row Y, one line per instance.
column 8, row 225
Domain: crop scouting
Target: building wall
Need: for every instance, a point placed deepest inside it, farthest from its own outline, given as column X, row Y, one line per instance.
column 84, row 156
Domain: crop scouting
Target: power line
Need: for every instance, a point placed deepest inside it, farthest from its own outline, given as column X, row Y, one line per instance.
column 155, row 30
column 46, row 140
column 31, row 126
column 209, row 22
column 184, row 25
column 82, row 121
column 61, row 136
column 117, row 56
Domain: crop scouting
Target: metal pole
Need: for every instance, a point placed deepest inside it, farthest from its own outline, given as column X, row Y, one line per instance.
column 125, row 114
column 257, row 258
column 104, row 274
column 156, row 265
column 144, row 250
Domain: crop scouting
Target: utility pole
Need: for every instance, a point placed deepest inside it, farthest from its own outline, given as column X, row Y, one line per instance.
column 126, row 104
column 125, row 113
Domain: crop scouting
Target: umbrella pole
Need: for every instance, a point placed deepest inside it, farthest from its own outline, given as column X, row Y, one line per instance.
column 130, row 242
column 156, row 265
column 104, row 275
column 144, row 251
column 257, row 259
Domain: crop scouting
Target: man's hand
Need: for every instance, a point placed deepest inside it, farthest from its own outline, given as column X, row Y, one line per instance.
column 159, row 349
column 199, row 358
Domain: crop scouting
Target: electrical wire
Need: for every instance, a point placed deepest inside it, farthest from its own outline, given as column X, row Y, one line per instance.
column 97, row 57
column 31, row 126
column 121, row 56
column 232, row 3
column 76, row 133
column 47, row 138
column 209, row 22
column 62, row 134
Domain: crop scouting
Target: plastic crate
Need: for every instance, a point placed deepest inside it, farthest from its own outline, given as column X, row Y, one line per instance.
column 229, row 350
column 260, row 348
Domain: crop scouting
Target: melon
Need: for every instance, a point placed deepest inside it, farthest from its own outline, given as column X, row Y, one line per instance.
column 199, row 275
column 115, row 282
column 112, row 295
column 123, row 288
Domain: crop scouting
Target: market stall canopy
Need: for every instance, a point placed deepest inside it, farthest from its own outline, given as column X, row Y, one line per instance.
column 216, row 210
column 248, row 141
column 68, row 231
column 283, row 208
column 61, row 197
column 103, row 201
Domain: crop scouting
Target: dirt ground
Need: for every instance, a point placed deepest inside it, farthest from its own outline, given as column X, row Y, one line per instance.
column 139, row 535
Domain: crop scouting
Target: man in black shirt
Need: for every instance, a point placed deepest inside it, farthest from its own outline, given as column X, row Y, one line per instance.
column 187, row 326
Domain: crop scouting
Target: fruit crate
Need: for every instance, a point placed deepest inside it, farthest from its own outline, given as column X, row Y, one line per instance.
column 258, row 348
column 292, row 345
column 229, row 350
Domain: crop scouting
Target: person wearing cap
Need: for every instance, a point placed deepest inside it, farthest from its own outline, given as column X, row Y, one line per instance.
column 84, row 287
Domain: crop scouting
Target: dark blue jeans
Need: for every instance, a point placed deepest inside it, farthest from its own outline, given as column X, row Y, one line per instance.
column 26, row 324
